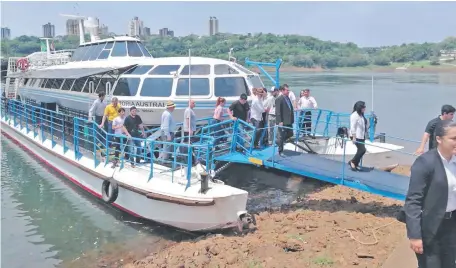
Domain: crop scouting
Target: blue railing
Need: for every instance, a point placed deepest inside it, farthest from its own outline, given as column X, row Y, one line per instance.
column 208, row 143
column 85, row 138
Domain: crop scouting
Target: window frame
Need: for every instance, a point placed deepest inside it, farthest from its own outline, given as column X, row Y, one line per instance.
column 186, row 77
column 248, row 93
column 127, row 78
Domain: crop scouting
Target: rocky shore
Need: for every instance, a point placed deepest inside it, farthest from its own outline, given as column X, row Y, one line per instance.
column 332, row 227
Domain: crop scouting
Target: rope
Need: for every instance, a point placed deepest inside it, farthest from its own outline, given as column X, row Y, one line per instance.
column 349, row 231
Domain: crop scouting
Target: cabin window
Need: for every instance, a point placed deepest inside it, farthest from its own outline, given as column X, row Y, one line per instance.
column 96, row 51
column 67, row 84
column 43, row 83
column 224, row 69
column 202, row 69
column 134, row 50
column 102, row 86
column 109, row 45
column 89, row 52
column 26, row 81
column 157, row 87
column 78, row 54
column 140, row 69
column 49, row 83
column 105, row 52
column 119, row 50
column 256, row 81
column 200, row 87
column 126, row 87
column 83, row 52
column 79, row 84
column 164, row 69
column 37, row 82
column 144, row 50
column 93, row 82
column 57, row 83
column 230, row 86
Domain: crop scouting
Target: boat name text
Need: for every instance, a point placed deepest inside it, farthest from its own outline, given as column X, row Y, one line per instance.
column 143, row 104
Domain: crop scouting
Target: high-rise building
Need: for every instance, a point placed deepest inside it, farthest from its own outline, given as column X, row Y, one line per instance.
column 72, row 27
column 136, row 27
column 165, row 32
column 146, row 31
column 6, row 33
column 48, row 30
column 213, row 26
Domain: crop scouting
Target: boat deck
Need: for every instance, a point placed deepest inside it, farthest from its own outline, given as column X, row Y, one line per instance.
column 233, row 144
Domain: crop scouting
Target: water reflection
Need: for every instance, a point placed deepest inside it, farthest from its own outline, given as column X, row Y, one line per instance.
column 52, row 220
column 268, row 188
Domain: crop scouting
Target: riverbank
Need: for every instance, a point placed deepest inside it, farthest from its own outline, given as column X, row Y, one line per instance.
column 415, row 68
column 334, row 226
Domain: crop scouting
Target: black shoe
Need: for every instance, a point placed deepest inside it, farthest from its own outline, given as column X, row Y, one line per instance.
column 352, row 166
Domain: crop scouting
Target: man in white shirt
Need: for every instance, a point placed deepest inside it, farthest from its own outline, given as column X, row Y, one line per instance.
column 306, row 102
column 168, row 127
column 189, row 126
column 96, row 113
column 256, row 113
column 270, row 105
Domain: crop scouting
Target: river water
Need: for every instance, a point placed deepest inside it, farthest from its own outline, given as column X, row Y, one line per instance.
column 47, row 222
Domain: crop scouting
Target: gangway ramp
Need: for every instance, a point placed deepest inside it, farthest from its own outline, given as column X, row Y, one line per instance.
column 320, row 167
column 317, row 167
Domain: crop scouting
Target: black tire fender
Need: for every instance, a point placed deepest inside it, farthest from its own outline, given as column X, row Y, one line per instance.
column 109, row 198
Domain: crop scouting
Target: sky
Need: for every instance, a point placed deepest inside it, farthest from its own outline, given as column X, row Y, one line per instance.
column 363, row 23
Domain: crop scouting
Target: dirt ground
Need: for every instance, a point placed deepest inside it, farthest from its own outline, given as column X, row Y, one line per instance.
column 334, row 227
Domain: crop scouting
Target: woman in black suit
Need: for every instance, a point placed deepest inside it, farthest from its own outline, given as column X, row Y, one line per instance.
column 430, row 205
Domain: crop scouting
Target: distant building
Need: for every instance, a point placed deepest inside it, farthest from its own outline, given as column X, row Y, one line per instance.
column 213, row 26
column 165, row 32
column 6, row 33
column 146, row 31
column 72, row 27
column 48, row 30
column 103, row 30
column 136, row 27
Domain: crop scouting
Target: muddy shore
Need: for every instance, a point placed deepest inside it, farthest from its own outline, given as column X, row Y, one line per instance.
column 331, row 227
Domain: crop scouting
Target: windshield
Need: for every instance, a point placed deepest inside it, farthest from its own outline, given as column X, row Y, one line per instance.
column 255, row 81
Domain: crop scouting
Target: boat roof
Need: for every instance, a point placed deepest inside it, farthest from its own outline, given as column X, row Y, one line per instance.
column 111, row 39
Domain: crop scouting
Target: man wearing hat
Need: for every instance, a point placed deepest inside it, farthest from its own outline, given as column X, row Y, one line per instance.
column 270, row 105
column 168, row 127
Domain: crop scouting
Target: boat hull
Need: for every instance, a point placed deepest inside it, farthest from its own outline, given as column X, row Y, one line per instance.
column 222, row 213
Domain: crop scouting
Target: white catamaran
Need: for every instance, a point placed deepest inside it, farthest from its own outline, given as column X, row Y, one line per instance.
column 123, row 68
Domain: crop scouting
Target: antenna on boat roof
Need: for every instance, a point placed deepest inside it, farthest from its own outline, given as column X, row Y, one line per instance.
column 189, row 89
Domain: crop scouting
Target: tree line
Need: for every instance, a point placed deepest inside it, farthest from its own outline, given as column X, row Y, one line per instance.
column 295, row 50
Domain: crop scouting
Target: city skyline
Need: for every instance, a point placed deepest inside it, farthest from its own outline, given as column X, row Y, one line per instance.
column 363, row 23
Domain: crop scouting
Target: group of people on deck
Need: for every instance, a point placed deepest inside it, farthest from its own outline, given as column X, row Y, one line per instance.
column 113, row 119
column 266, row 110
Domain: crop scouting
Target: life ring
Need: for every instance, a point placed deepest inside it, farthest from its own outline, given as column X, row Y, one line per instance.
column 22, row 64
column 109, row 198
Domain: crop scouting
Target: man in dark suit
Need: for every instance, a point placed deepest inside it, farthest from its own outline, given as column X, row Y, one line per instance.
column 284, row 117
column 430, row 205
